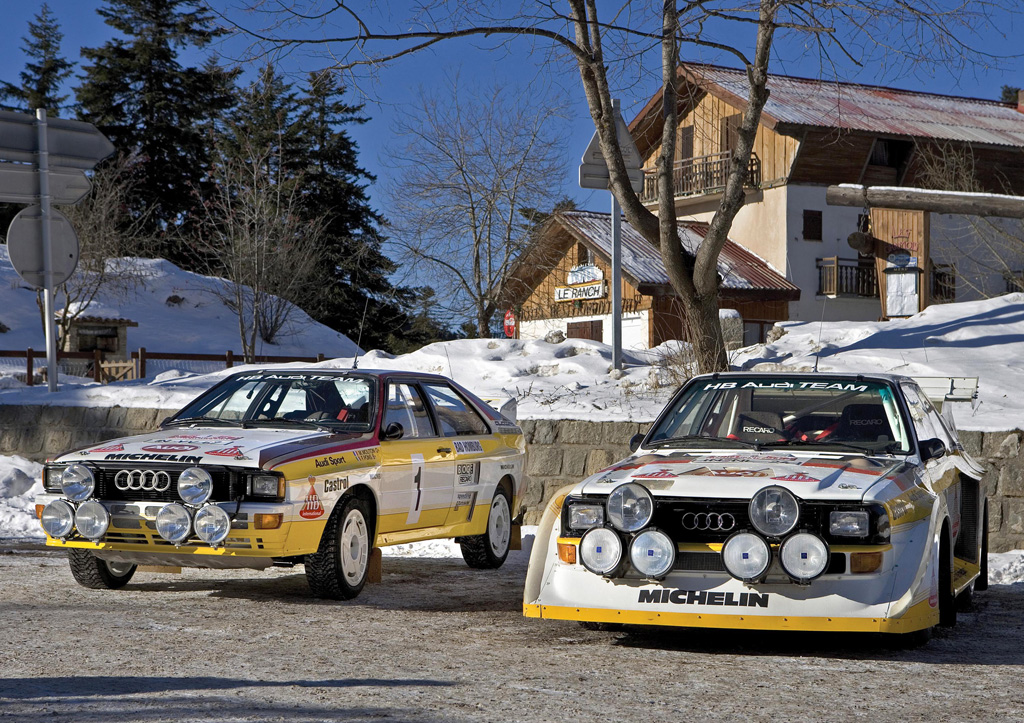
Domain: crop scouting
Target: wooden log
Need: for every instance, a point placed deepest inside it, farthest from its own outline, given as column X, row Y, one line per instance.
column 916, row 199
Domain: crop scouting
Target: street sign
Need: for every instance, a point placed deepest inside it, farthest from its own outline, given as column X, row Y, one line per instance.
column 20, row 184
column 70, row 143
column 510, row 324
column 594, row 169
column 25, row 246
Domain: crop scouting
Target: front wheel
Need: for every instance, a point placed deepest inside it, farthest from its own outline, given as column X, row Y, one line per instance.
column 96, row 574
column 489, row 550
column 338, row 569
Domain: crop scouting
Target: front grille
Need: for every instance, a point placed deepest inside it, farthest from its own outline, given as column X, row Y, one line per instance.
column 224, row 480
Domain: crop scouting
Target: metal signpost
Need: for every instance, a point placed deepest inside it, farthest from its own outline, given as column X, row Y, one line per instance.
column 42, row 244
column 594, row 174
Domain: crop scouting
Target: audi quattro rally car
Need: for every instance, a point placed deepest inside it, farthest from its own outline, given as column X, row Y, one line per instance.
column 286, row 467
column 773, row 501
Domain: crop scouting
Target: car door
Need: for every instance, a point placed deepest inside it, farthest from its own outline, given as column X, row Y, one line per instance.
column 418, row 468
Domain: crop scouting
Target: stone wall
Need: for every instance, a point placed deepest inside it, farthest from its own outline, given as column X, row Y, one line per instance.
column 561, row 452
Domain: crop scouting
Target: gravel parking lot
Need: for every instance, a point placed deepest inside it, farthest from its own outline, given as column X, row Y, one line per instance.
column 436, row 641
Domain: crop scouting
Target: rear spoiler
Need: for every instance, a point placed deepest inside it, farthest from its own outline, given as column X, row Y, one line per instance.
column 948, row 389
column 508, row 407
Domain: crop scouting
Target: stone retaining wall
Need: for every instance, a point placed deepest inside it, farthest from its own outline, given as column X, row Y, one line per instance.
column 561, row 452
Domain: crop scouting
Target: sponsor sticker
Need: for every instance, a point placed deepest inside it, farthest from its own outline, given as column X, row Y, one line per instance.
column 655, row 472
column 313, row 508
column 788, row 385
column 133, row 457
column 731, row 472
column 366, row 455
column 469, row 446
column 226, row 452
column 796, row 477
column 329, row 461
column 338, row 484
column 704, row 597
column 170, row 448
column 111, row 448
column 201, row 438
column 464, row 499
column 467, row 473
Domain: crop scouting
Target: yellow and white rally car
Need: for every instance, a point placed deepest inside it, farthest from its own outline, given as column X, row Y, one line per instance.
column 820, row 502
column 288, row 467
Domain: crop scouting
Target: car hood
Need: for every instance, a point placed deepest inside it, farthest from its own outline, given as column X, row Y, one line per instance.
column 738, row 475
column 216, row 445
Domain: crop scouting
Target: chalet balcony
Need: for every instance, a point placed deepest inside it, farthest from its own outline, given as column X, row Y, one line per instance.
column 700, row 176
column 847, row 277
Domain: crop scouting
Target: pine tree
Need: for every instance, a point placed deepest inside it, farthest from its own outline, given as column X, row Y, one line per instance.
column 44, row 73
column 1009, row 94
column 140, row 96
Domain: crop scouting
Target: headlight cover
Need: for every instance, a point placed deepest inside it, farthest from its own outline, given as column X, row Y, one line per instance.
column 804, row 556
column 584, row 515
column 774, row 511
column 265, row 485
column 212, row 524
column 629, row 507
column 746, row 556
column 195, row 485
column 51, row 478
column 58, row 519
column 849, row 523
column 652, row 553
column 601, row 551
column 92, row 520
column 77, row 482
column 174, row 523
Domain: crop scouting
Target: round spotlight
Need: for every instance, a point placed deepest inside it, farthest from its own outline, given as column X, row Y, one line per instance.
column 746, row 556
column 92, row 520
column 601, row 551
column 774, row 511
column 630, row 507
column 652, row 553
column 195, row 485
column 174, row 523
column 58, row 519
column 804, row 556
column 77, row 482
column 212, row 524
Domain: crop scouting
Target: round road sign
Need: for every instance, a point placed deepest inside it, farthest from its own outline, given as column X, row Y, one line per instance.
column 510, row 324
column 25, row 246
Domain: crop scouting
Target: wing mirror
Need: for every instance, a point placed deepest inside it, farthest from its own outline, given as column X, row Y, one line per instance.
column 635, row 441
column 932, row 449
column 392, row 432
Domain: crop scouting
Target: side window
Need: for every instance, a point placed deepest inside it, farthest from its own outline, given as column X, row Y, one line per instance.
column 926, row 420
column 405, row 406
column 455, row 416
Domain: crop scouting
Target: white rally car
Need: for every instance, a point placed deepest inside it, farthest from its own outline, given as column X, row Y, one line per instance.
column 286, row 467
column 820, row 502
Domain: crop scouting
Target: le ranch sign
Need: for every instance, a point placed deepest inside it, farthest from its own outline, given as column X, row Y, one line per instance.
column 582, row 292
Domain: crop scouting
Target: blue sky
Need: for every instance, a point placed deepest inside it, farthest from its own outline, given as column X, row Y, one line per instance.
column 398, row 84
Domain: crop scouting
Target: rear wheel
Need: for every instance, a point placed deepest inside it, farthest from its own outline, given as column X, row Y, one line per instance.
column 338, row 569
column 489, row 550
column 92, row 572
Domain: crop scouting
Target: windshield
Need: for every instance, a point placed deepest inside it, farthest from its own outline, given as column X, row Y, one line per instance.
column 817, row 412
column 327, row 401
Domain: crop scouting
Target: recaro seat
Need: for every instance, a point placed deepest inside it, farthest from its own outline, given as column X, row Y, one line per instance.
column 758, row 427
column 864, row 423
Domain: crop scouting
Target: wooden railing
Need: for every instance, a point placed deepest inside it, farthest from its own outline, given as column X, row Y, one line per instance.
column 846, row 277
column 91, row 364
column 701, row 175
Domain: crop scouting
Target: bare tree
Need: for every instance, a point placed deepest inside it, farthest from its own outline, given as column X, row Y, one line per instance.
column 467, row 169
column 110, row 237
column 903, row 33
column 254, row 235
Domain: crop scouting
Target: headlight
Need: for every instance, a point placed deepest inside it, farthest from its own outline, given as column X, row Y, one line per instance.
column 195, row 485
column 174, row 523
column 51, row 478
column 600, row 551
column 804, row 556
column 212, row 524
column 92, row 520
column 58, row 518
column 746, row 556
column 774, row 511
column 630, row 507
column 583, row 516
column 652, row 553
column 265, row 485
column 849, row 524
column 77, row 482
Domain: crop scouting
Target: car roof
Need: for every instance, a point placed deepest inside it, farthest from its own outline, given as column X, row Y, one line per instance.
column 389, row 373
column 878, row 376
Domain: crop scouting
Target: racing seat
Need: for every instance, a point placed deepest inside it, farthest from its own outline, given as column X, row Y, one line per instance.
column 863, row 423
column 758, row 427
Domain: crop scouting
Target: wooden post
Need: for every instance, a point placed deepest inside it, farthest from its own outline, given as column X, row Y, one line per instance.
column 375, row 570
column 97, row 366
column 29, row 371
column 229, row 359
column 142, row 362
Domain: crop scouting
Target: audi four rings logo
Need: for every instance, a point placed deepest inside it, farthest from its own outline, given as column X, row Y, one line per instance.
column 149, row 480
column 711, row 521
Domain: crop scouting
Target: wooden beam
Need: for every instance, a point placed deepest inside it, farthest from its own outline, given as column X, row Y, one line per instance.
column 917, row 199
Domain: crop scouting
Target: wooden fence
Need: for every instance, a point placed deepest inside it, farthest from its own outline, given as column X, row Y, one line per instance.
column 104, row 371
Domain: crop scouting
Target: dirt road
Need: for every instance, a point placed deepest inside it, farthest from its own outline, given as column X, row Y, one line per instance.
column 436, row 641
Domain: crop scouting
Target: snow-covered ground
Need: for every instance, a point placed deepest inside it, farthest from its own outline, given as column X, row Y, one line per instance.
column 572, row 379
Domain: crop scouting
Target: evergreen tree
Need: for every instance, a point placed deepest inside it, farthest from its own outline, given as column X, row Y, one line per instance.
column 1009, row 94
column 140, row 96
column 44, row 73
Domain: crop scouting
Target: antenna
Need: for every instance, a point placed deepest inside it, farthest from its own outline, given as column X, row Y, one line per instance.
column 451, row 370
column 821, row 323
column 359, row 344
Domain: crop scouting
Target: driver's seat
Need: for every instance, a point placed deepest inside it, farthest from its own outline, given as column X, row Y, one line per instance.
column 758, row 427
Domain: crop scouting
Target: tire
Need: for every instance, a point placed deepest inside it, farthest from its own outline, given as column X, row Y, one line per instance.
column 947, row 601
column 981, row 584
column 96, row 574
column 339, row 568
column 489, row 550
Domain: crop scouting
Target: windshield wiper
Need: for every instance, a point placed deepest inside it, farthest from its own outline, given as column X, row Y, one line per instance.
column 703, row 440
column 308, row 424
column 199, row 420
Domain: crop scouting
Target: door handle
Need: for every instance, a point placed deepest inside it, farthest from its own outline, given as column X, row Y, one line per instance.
column 444, row 450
